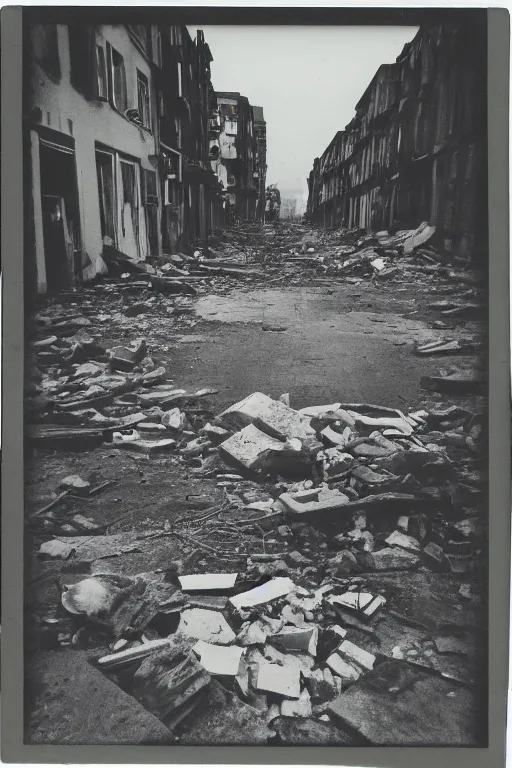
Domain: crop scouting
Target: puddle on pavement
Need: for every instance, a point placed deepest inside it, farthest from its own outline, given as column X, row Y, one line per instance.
column 294, row 309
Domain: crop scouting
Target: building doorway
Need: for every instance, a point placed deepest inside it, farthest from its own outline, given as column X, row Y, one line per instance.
column 60, row 213
column 129, row 209
column 105, row 173
column 123, row 223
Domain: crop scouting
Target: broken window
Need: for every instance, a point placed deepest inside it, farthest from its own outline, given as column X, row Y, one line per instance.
column 129, row 191
column 46, row 48
column 151, row 209
column 116, row 80
column 231, row 127
column 105, row 173
column 143, row 100
column 131, row 224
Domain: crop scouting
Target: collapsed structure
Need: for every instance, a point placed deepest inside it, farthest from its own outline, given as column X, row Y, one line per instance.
column 416, row 149
column 120, row 125
column 238, row 154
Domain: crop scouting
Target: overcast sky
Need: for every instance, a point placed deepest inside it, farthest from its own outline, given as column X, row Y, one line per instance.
column 308, row 80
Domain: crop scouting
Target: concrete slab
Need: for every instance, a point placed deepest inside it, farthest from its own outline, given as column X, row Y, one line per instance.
column 249, row 446
column 71, row 702
column 210, row 626
column 314, row 501
column 271, row 416
column 275, row 679
column 219, row 659
column 398, row 705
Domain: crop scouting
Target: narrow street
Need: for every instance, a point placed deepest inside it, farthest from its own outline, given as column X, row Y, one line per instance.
column 153, row 356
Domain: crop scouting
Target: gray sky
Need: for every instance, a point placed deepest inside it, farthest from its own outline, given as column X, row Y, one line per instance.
column 308, row 80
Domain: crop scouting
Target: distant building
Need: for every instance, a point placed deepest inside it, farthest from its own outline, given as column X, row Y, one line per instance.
column 292, row 203
column 233, row 155
column 272, row 203
column 191, row 192
column 260, row 133
column 416, row 149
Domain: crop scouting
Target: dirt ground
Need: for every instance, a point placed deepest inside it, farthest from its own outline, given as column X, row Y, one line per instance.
column 322, row 341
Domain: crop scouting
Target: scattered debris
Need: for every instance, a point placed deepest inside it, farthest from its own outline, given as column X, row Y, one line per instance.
column 295, row 589
column 167, row 683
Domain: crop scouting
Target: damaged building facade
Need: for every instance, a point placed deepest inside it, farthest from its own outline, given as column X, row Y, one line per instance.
column 190, row 191
column 90, row 120
column 416, row 148
column 260, row 132
column 238, row 155
column 119, row 124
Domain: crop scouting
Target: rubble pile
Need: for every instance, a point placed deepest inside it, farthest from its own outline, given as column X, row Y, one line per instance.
column 327, row 584
column 292, row 251
column 332, row 516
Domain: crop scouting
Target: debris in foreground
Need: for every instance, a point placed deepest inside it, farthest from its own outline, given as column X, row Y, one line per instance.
column 296, row 594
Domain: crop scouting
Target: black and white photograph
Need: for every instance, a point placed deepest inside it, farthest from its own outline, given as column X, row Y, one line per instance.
column 256, row 287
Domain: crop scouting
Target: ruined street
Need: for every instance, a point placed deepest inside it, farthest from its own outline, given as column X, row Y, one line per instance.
column 256, row 496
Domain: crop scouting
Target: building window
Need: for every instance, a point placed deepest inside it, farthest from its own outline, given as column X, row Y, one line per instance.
column 231, row 127
column 142, row 36
column 180, row 81
column 46, row 48
column 117, row 93
column 150, row 187
column 82, row 45
column 161, row 104
column 101, row 73
column 175, row 35
column 158, row 46
column 151, row 209
column 143, row 100
column 105, row 173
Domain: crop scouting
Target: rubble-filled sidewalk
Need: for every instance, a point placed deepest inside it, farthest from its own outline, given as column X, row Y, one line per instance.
column 259, row 573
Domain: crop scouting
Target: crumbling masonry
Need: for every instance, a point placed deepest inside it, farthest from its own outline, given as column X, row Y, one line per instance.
column 416, row 149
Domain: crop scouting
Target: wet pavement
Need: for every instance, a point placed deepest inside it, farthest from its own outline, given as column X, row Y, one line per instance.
column 312, row 342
